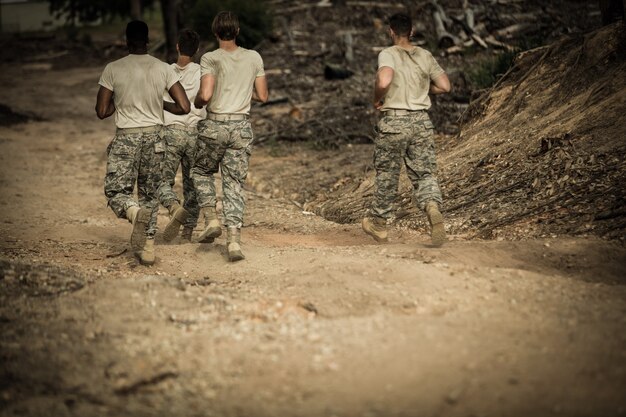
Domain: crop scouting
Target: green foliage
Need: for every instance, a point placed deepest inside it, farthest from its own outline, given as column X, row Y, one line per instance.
column 92, row 10
column 255, row 19
column 485, row 72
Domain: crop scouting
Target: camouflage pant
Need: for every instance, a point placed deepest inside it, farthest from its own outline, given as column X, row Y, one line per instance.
column 226, row 146
column 180, row 148
column 134, row 157
column 410, row 139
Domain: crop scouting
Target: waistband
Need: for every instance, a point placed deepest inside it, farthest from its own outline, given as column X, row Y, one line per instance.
column 224, row 117
column 401, row 112
column 181, row 127
column 131, row 130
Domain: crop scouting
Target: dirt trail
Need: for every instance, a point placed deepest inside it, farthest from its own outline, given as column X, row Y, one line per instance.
column 317, row 320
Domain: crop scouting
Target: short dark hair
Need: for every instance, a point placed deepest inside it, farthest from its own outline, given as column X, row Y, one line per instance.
column 137, row 32
column 401, row 24
column 188, row 42
column 225, row 26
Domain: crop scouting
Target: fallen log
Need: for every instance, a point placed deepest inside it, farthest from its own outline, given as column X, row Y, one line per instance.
column 347, row 40
column 336, row 72
column 510, row 31
column 491, row 40
column 444, row 38
column 278, row 100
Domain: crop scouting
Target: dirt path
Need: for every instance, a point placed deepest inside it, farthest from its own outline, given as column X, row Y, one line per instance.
column 316, row 321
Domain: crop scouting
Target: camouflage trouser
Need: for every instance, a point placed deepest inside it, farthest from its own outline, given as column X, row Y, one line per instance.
column 134, row 157
column 226, row 146
column 410, row 139
column 180, row 148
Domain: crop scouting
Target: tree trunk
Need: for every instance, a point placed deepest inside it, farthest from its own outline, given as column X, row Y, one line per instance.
column 170, row 26
column 135, row 9
column 612, row 10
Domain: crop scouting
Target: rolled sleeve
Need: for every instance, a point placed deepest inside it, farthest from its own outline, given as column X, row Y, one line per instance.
column 171, row 76
column 207, row 66
column 260, row 69
column 106, row 79
column 435, row 69
column 385, row 59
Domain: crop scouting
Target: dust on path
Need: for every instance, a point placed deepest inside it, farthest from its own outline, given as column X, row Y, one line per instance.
column 317, row 320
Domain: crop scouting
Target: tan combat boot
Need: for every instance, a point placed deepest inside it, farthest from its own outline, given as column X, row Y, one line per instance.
column 213, row 228
column 437, row 231
column 376, row 228
column 186, row 234
column 178, row 215
column 233, row 242
column 146, row 254
column 139, row 217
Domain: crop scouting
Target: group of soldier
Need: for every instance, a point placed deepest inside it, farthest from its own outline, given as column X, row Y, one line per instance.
column 159, row 129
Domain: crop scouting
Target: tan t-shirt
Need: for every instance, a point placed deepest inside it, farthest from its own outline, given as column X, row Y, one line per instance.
column 138, row 83
column 412, row 73
column 234, row 74
column 190, row 80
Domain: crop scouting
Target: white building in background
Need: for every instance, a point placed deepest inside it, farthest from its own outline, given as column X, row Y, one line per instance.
column 19, row 16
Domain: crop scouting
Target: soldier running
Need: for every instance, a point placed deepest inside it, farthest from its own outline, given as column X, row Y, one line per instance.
column 180, row 134
column 406, row 74
column 132, row 87
column 232, row 76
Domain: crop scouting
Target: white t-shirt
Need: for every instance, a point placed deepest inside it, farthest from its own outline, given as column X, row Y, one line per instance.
column 412, row 73
column 235, row 73
column 190, row 80
column 138, row 83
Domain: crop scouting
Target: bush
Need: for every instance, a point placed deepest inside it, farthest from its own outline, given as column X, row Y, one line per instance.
column 255, row 19
column 486, row 72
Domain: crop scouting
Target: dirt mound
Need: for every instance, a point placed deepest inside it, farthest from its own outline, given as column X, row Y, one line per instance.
column 541, row 153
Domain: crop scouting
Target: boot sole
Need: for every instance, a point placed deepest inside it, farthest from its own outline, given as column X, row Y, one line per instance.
column 236, row 256
column 173, row 227
column 438, row 233
column 143, row 262
column 138, row 235
column 209, row 235
column 372, row 234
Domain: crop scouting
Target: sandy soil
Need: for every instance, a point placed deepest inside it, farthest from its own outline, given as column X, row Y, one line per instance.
column 317, row 321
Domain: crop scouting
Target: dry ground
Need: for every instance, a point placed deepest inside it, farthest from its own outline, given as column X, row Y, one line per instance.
column 317, row 321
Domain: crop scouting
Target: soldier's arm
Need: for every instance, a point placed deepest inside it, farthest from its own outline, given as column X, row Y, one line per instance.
column 384, row 77
column 181, row 103
column 105, row 106
column 207, row 86
column 260, row 92
column 440, row 85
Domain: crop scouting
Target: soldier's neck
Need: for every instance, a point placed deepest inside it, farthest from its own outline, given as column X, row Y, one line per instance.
column 183, row 60
column 228, row 45
column 403, row 43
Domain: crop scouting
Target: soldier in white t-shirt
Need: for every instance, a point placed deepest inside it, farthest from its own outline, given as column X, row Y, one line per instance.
column 180, row 134
column 232, row 76
column 132, row 88
column 406, row 75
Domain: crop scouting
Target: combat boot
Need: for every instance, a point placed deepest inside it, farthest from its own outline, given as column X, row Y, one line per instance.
column 178, row 215
column 376, row 228
column 146, row 254
column 437, row 231
column 139, row 217
column 186, row 233
column 233, row 244
column 212, row 225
